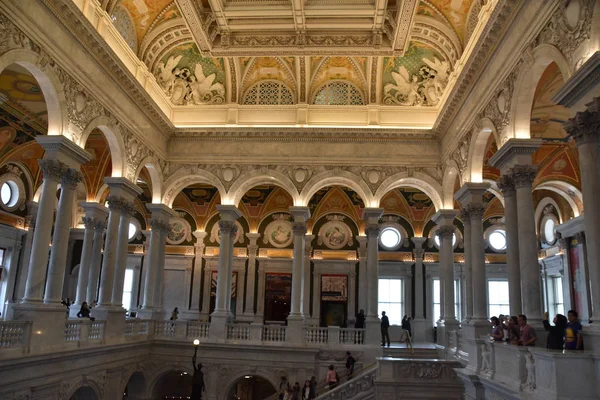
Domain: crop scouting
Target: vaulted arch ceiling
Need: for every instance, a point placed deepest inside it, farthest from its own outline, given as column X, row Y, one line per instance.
column 212, row 52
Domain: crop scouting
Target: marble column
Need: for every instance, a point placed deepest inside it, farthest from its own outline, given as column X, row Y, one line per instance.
column 371, row 217
column 240, row 294
column 307, row 275
column 260, row 290
column 511, row 222
column 514, row 160
column 96, row 259
column 204, row 313
column 468, row 265
column 419, row 325
column 222, row 314
column 120, row 204
column 362, row 272
column 531, row 294
column 94, row 213
column 121, row 256
column 251, row 277
column 32, row 208
column 584, row 129
column 470, row 195
column 295, row 319
column 316, row 303
column 445, row 220
column 52, row 171
column 197, row 277
column 159, row 222
column 351, row 296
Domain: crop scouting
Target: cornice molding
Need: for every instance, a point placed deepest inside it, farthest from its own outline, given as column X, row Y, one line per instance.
column 77, row 24
column 336, row 135
column 493, row 32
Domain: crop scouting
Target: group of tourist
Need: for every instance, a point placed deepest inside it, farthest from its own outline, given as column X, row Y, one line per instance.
column 566, row 333
column 308, row 392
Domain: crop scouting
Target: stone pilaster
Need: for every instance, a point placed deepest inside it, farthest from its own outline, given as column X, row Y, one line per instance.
column 197, row 277
column 419, row 326
column 251, row 276
column 371, row 216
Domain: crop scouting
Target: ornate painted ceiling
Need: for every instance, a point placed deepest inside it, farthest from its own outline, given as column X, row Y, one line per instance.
column 321, row 52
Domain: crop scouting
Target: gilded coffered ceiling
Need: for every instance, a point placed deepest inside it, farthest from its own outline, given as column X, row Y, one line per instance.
column 386, row 53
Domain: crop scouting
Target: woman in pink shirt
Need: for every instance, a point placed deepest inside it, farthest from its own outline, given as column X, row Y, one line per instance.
column 332, row 377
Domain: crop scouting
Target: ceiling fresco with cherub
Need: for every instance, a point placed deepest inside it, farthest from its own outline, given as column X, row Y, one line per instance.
column 192, row 74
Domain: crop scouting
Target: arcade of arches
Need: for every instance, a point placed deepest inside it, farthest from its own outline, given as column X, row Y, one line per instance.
column 250, row 175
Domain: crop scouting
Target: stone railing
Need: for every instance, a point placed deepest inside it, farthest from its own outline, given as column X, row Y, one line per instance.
column 316, row 335
column 165, row 328
column 15, row 335
column 136, row 327
column 352, row 336
column 72, row 331
column 197, row 329
column 273, row 333
column 96, row 330
column 238, row 332
column 360, row 386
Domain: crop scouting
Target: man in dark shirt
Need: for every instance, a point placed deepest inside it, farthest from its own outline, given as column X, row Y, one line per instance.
column 385, row 325
column 350, row 361
column 360, row 320
column 197, row 380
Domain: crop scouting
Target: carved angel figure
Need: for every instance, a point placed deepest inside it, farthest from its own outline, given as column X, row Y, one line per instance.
column 202, row 88
column 165, row 75
column 406, row 90
column 434, row 88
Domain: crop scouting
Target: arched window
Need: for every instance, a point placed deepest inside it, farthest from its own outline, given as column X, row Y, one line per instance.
column 338, row 93
column 269, row 93
column 124, row 24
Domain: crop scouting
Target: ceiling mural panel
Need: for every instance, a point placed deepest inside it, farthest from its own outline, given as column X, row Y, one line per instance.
column 547, row 118
column 144, row 13
column 455, row 12
column 22, row 97
column 417, row 79
column 281, row 69
column 100, row 164
column 188, row 78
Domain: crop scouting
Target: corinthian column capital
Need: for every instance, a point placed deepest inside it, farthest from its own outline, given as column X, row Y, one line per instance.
column 584, row 127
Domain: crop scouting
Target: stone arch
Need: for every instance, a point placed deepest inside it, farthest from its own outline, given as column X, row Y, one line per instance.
column 240, row 374
column 154, row 378
column 50, row 84
column 526, row 84
column 140, row 383
column 185, row 177
column 565, row 189
column 495, row 190
column 484, row 128
column 155, row 172
column 420, row 181
column 254, row 178
column 539, row 209
column 339, row 178
column 450, row 174
column 115, row 141
column 85, row 381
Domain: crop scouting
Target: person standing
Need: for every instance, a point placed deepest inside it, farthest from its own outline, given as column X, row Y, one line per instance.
column 174, row 314
column 307, row 390
column 556, row 333
column 528, row 336
column 332, row 377
column 406, row 324
column 385, row 326
column 350, row 361
column 573, row 333
column 360, row 320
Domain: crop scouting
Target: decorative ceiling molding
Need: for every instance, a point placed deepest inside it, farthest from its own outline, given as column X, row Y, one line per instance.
column 158, row 42
column 432, row 32
column 236, row 28
column 74, row 21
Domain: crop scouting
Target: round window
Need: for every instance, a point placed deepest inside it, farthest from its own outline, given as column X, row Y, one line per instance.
column 9, row 193
column 497, row 240
column 549, row 231
column 132, row 230
column 390, row 238
column 437, row 240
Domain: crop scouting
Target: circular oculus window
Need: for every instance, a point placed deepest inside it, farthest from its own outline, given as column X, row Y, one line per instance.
column 497, row 240
column 390, row 238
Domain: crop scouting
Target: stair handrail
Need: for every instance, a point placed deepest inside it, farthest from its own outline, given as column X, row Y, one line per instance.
column 331, row 394
column 321, row 386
